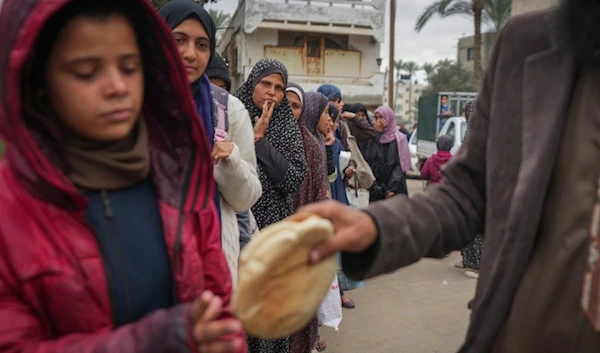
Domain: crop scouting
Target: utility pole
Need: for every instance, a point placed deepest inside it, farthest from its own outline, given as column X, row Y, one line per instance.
column 391, row 99
column 410, row 95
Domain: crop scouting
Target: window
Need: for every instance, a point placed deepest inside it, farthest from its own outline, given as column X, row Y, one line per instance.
column 451, row 131
column 291, row 39
column 313, row 47
column 298, row 39
column 471, row 54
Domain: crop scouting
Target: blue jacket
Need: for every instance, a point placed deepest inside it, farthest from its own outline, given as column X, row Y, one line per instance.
column 129, row 231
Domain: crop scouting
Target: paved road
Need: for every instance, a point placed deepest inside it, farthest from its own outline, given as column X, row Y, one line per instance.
column 418, row 309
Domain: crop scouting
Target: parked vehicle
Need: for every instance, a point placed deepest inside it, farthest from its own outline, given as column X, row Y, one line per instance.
column 441, row 114
column 412, row 146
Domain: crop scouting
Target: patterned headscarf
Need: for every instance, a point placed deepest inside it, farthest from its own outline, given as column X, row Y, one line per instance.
column 391, row 133
column 264, row 67
column 314, row 105
column 284, row 136
column 314, row 188
column 469, row 110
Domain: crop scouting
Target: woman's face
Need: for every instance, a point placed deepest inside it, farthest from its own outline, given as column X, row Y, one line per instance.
column 193, row 44
column 95, row 78
column 269, row 89
column 325, row 122
column 380, row 122
column 295, row 104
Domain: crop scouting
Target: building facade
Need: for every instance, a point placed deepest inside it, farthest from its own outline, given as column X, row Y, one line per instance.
column 521, row 6
column 319, row 41
column 466, row 50
column 406, row 100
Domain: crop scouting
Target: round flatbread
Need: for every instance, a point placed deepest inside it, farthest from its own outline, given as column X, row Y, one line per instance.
column 278, row 291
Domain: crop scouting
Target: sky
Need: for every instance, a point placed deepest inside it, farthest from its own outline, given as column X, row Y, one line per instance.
column 435, row 42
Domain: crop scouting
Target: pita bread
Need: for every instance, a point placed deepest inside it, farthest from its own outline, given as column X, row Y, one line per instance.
column 278, row 292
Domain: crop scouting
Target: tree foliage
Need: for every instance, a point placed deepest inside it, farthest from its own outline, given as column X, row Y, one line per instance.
column 429, row 68
column 159, row 3
column 220, row 17
column 450, row 76
column 493, row 12
column 496, row 13
column 410, row 67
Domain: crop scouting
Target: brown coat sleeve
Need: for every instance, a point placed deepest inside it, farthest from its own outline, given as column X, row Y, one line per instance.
column 361, row 129
column 445, row 217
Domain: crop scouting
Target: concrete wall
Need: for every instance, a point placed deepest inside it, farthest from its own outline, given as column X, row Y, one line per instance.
column 520, row 6
column 368, row 15
column 487, row 43
column 369, row 52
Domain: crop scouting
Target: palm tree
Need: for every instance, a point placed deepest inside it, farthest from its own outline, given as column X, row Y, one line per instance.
column 497, row 12
column 220, row 17
column 445, row 8
column 429, row 68
column 398, row 65
column 411, row 67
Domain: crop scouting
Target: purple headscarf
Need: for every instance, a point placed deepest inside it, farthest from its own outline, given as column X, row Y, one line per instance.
column 391, row 133
column 314, row 105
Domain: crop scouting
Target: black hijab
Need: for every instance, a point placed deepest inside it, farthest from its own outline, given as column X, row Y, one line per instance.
column 177, row 11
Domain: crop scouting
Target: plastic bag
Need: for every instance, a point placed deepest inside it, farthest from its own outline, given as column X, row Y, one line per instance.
column 330, row 311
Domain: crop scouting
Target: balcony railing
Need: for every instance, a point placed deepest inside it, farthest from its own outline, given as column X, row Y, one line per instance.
column 347, row 4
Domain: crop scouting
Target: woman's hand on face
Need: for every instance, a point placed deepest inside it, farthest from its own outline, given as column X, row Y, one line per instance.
column 379, row 124
column 354, row 230
column 221, row 150
column 262, row 123
column 208, row 331
column 329, row 138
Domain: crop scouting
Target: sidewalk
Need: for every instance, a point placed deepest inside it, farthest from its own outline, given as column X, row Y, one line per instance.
column 418, row 309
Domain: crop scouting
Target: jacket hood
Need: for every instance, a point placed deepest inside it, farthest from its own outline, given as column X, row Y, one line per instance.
column 177, row 139
column 442, row 157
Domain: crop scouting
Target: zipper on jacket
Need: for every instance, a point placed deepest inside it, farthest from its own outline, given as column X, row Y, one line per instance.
column 110, row 217
column 179, row 234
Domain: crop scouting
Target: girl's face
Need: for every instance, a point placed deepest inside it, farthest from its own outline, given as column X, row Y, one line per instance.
column 295, row 104
column 194, row 47
column 95, row 78
column 338, row 103
column 325, row 122
column 380, row 122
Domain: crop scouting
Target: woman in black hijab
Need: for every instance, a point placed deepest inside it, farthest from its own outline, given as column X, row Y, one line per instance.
column 232, row 141
column 193, row 28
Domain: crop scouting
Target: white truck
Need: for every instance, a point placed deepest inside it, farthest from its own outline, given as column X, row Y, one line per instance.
column 440, row 114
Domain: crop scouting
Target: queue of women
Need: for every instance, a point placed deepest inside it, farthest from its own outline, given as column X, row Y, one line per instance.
column 131, row 183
